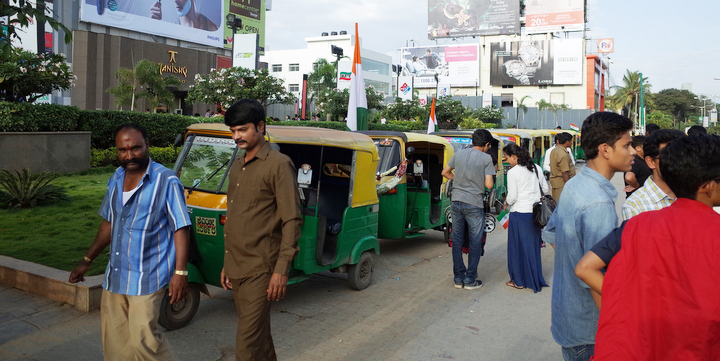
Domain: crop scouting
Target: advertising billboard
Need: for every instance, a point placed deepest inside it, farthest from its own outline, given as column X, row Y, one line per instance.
column 606, row 45
column 537, row 62
column 245, row 51
column 454, row 65
column 459, row 18
column 405, row 87
column 554, row 15
column 252, row 14
column 194, row 21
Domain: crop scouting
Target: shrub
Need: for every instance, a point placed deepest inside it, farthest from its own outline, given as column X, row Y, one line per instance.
column 102, row 157
column 164, row 155
column 23, row 190
column 161, row 128
column 448, row 125
column 388, row 127
column 409, row 124
column 28, row 117
column 472, row 123
column 310, row 123
column 105, row 157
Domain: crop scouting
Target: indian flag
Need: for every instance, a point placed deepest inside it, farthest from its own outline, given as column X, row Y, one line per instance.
column 574, row 127
column 432, row 122
column 504, row 218
column 357, row 117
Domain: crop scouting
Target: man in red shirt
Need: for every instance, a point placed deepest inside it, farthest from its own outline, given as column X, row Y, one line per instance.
column 660, row 299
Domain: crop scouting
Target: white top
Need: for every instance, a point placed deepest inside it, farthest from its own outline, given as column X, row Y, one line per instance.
column 128, row 194
column 523, row 189
column 546, row 158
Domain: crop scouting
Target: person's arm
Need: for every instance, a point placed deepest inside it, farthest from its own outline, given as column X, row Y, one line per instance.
column 564, row 165
column 447, row 172
column 156, row 11
column 489, row 181
column 489, row 173
column 512, row 188
column 102, row 240
column 288, row 207
column 632, row 182
column 178, row 284
column 543, row 182
column 566, row 176
column 589, row 270
column 596, row 297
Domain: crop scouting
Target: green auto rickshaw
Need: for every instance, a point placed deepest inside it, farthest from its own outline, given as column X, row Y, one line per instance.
column 339, row 205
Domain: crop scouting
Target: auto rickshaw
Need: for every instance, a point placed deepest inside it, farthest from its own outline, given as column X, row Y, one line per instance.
column 336, row 184
column 578, row 152
column 410, row 186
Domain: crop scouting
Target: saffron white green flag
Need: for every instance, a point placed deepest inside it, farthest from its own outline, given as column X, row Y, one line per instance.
column 504, row 218
column 432, row 122
column 357, row 117
column 574, row 127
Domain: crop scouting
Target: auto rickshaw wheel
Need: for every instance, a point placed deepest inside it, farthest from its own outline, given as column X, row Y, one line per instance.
column 447, row 231
column 179, row 314
column 360, row 274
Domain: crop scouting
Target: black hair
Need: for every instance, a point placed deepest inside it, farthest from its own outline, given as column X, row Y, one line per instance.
column 651, row 127
column 481, row 137
column 638, row 141
column 696, row 129
column 603, row 128
column 522, row 154
column 558, row 127
column 562, row 138
column 651, row 145
column 245, row 111
column 687, row 163
column 428, row 50
column 137, row 127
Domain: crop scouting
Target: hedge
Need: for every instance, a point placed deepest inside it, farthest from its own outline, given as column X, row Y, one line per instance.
column 310, row 123
column 409, row 124
column 27, row 117
column 104, row 157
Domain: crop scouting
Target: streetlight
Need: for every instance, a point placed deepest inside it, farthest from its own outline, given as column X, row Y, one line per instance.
column 234, row 23
column 338, row 52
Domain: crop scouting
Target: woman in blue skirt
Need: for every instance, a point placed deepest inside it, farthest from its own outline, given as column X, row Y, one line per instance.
column 524, row 180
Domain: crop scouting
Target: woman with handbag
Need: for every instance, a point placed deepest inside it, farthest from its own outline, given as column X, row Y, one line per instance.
column 525, row 187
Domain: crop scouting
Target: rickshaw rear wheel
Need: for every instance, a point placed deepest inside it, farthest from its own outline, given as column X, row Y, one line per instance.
column 360, row 274
column 180, row 313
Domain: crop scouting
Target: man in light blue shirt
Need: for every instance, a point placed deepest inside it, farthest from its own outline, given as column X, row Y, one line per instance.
column 586, row 214
column 145, row 222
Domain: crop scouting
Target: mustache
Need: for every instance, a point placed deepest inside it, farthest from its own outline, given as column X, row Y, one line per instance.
column 133, row 160
column 240, row 141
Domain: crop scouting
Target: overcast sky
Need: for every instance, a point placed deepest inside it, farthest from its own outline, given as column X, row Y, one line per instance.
column 671, row 43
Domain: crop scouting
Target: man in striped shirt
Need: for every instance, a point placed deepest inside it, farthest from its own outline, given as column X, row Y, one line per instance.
column 145, row 224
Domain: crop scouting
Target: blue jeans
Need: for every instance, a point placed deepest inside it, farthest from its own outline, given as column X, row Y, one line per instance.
column 578, row 353
column 470, row 218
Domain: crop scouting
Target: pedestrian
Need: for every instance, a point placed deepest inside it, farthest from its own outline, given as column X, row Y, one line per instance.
column 651, row 127
column 262, row 229
column 546, row 158
column 145, row 223
column 658, row 302
column 524, row 180
column 561, row 165
column 639, row 172
column 585, row 214
column 383, row 120
column 696, row 129
column 208, row 113
column 471, row 171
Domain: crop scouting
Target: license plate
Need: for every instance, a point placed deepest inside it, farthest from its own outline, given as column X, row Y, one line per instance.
column 206, row 226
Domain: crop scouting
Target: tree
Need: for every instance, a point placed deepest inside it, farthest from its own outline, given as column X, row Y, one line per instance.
column 447, row 109
column 322, row 79
column 520, row 105
column 228, row 85
column 25, row 76
column 627, row 96
column 405, row 110
column 142, row 81
column 680, row 103
column 334, row 103
column 22, row 13
column 662, row 119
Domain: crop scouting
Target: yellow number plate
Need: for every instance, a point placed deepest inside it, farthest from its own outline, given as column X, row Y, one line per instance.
column 206, row 226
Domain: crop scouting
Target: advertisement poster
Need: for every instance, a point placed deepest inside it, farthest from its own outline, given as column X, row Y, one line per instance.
column 245, row 51
column 252, row 14
column 344, row 68
column 194, row 21
column 543, row 62
column 405, row 87
column 546, row 16
column 454, row 65
column 459, row 18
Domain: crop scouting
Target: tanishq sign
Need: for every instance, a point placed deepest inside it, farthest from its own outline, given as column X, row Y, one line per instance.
column 172, row 67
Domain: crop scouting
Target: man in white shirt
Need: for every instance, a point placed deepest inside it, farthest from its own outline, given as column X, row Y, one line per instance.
column 546, row 158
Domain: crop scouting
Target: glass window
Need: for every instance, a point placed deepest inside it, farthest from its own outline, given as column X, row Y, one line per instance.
column 389, row 152
column 294, row 87
column 206, row 162
column 373, row 66
column 277, row 68
column 294, row 67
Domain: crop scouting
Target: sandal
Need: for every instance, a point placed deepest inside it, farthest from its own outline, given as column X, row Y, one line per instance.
column 513, row 285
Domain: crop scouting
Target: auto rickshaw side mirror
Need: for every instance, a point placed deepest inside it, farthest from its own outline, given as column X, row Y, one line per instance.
column 409, row 151
column 179, row 140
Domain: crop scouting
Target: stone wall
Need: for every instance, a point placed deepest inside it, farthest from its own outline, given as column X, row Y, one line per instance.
column 60, row 152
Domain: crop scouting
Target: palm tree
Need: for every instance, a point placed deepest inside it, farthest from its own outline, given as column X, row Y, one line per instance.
column 142, row 81
column 627, row 96
column 520, row 105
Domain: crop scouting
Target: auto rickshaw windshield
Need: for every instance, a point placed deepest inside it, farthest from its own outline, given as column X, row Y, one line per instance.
column 205, row 162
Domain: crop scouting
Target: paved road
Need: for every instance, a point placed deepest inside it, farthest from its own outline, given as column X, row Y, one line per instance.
column 410, row 312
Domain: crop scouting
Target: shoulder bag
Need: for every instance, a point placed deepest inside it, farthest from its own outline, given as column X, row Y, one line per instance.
column 543, row 209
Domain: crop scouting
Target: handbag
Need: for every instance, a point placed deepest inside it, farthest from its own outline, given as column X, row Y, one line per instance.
column 543, row 209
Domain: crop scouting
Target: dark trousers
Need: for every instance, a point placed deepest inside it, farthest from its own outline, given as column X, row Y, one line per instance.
column 253, row 339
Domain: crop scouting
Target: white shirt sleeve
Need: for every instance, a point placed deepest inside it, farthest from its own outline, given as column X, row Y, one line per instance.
column 572, row 157
column 546, row 159
column 512, row 185
column 543, row 182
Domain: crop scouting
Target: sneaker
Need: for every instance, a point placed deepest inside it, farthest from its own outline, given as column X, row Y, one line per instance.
column 459, row 284
column 473, row 286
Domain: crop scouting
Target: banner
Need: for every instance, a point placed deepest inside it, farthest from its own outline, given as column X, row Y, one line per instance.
column 454, row 65
column 252, row 14
column 245, row 51
column 405, row 87
column 606, row 45
column 460, row 18
column 543, row 62
column 344, row 67
column 199, row 22
column 554, row 15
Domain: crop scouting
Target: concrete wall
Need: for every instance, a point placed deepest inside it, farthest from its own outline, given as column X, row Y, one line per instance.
column 60, row 152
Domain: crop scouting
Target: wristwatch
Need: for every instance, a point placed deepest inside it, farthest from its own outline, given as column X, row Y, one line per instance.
column 530, row 53
column 181, row 273
column 516, row 69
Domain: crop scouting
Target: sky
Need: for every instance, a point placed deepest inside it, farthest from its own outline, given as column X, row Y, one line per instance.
column 671, row 43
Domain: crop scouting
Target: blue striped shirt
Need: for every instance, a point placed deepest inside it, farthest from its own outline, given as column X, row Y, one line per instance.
column 142, row 250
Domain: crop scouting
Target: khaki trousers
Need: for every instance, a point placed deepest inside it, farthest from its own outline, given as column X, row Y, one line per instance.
column 556, row 193
column 129, row 328
column 253, row 340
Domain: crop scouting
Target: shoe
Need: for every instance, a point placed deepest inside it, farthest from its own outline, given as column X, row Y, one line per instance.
column 513, row 285
column 473, row 286
column 459, row 284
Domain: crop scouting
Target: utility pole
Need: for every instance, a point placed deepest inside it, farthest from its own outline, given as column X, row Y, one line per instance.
column 641, row 111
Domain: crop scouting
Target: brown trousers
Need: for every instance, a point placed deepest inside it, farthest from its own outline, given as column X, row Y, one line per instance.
column 129, row 327
column 556, row 193
column 253, row 340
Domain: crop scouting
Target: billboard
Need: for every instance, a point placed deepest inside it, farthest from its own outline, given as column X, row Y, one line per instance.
column 554, row 15
column 454, row 65
column 405, row 87
column 459, row 18
column 537, row 62
column 245, row 51
column 194, row 21
column 252, row 13
column 606, row 45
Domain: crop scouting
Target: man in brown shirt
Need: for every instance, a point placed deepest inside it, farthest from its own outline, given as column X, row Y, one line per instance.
column 561, row 166
column 262, row 229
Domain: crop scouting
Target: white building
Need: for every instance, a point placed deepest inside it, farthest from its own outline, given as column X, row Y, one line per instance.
column 291, row 65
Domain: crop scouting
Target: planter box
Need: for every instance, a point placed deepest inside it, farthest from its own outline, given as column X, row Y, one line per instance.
column 59, row 152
